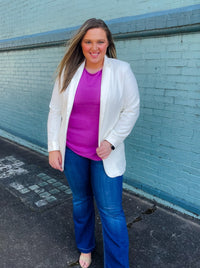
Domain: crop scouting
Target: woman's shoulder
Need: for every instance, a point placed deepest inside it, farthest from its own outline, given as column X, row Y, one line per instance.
column 116, row 63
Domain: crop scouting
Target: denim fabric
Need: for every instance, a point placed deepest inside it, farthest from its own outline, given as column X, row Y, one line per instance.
column 87, row 178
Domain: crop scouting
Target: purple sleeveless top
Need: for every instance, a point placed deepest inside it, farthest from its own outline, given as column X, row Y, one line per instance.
column 83, row 128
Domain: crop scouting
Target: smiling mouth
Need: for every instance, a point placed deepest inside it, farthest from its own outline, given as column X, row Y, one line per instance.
column 94, row 54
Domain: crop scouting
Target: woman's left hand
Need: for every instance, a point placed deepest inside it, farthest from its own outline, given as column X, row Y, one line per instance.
column 104, row 150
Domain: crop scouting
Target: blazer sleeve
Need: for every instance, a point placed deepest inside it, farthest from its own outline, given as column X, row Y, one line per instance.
column 54, row 118
column 130, row 110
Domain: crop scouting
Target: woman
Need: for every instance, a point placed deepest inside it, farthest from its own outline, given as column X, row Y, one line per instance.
column 94, row 106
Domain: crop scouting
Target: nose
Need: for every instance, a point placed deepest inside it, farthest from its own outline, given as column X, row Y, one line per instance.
column 94, row 46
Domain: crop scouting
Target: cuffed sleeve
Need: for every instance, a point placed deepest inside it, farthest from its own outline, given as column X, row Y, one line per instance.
column 54, row 119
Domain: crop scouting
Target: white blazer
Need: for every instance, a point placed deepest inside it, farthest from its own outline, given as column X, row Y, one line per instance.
column 119, row 110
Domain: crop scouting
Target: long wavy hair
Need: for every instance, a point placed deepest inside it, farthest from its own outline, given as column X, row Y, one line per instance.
column 74, row 55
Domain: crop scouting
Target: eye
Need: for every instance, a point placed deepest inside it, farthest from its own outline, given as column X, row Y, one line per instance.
column 87, row 42
column 101, row 42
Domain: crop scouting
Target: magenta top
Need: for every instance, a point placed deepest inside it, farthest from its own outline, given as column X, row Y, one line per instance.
column 83, row 128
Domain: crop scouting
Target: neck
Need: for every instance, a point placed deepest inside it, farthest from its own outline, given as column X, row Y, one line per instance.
column 93, row 68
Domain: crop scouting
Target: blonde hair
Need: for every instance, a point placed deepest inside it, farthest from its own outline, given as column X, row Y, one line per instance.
column 74, row 55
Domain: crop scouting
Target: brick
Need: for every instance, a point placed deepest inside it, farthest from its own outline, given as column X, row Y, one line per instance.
column 187, row 102
column 191, row 71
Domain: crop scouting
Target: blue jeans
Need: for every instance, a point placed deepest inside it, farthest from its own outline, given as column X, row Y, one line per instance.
column 87, row 179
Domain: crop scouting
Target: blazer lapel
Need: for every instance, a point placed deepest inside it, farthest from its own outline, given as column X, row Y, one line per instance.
column 105, row 86
column 71, row 89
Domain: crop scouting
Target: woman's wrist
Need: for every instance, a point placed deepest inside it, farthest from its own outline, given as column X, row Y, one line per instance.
column 111, row 145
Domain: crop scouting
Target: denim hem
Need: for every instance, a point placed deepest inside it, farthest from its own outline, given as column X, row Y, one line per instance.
column 86, row 250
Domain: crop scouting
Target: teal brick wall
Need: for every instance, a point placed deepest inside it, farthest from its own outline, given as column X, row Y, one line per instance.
column 26, row 79
column 163, row 151
column 23, row 17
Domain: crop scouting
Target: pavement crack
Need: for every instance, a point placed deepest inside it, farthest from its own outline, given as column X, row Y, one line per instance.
column 129, row 225
column 73, row 264
column 150, row 210
column 139, row 218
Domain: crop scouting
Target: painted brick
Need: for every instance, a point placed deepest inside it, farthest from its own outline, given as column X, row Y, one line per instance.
column 179, row 147
column 34, row 16
column 25, row 93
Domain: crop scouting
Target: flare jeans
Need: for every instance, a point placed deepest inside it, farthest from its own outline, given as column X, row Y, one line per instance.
column 88, row 181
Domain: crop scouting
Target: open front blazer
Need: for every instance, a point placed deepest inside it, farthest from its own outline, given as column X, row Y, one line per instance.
column 119, row 110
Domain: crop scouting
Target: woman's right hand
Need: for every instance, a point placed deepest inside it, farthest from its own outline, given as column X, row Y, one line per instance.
column 55, row 160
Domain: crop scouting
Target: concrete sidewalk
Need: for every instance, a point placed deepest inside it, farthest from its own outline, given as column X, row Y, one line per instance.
column 36, row 226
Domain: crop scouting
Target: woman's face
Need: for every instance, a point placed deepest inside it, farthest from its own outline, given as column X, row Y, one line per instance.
column 94, row 46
